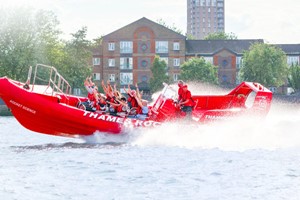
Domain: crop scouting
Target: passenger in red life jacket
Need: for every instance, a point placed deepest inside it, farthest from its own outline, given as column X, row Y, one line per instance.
column 143, row 111
column 132, row 101
column 186, row 102
column 92, row 90
column 121, row 107
column 101, row 105
column 180, row 89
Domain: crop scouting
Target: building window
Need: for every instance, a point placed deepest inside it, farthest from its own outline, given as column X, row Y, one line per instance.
column 292, row 60
column 214, row 2
column 111, row 46
column 176, row 62
column 224, row 79
column 164, row 59
column 209, row 59
column 224, row 63
column 96, row 61
column 144, row 78
column 176, row 46
column 96, row 76
column 144, row 63
column 111, row 62
column 207, row 2
column 125, row 63
column 161, row 46
column 144, row 47
column 126, row 78
column 175, row 77
column 126, row 47
column 239, row 62
column 112, row 77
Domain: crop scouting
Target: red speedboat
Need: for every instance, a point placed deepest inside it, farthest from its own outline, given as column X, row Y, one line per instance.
column 51, row 109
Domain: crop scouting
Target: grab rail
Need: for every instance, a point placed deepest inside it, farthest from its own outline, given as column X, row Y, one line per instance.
column 55, row 80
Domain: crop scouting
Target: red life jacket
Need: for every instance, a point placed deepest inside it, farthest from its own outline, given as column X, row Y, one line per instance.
column 132, row 101
column 180, row 92
column 187, row 96
column 120, row 108
column 91, row 96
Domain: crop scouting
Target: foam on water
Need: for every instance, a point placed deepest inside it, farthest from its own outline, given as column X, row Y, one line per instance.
column 278, row 130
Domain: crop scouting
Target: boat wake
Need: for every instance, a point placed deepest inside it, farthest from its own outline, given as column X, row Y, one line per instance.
column 276, row 131
column 67, row 145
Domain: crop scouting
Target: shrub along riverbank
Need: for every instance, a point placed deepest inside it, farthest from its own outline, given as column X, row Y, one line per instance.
column 4, row 111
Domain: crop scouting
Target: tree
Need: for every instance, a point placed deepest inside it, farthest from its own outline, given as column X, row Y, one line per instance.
column 76, row 64
column 159, row 74
column 173, row 27
column 197, row 69
column 294, row 78
column 221, row 36
column 24, row 36
column 265, row 64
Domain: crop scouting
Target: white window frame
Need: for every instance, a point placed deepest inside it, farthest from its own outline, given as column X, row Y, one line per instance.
column 112, row 77
column 176, row 46
column 126, row 47
column 176, row 62
column 292, row 60
column 96, row 76
column 161, row 47
column 208, row 3
column 126, row 63
column 166, row 59
column 175, row 77
column 126, row 78
column 239, row 62
column 209, row 59
column 96, row 61
column 111, row 62
column 111, row 46
column 214, row 2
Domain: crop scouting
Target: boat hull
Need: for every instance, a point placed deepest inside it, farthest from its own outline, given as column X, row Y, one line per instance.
column 41, row 110
column 45, row 114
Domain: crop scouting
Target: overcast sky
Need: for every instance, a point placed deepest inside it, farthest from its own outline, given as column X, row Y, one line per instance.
column 275, row 21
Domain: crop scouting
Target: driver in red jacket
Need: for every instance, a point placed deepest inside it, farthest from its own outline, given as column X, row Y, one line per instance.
column 186, row 101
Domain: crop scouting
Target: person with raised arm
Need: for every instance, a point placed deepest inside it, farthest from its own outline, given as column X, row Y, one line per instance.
column 143, row 112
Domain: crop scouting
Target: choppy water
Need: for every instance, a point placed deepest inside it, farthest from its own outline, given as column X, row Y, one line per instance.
column 244, row 159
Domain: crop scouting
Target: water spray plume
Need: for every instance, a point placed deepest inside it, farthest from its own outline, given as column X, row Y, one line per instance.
column 277, row 130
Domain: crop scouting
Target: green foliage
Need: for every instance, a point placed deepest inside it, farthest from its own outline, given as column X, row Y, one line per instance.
column 196, row 69
column 221, row 36
column 28, row 37
column 159, row 75
column 190, row 37
column 173, row 27
column 24, row 35
column 265, row 64
column 294, row 78
column 76, row 66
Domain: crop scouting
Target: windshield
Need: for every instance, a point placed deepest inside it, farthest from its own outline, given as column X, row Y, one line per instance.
column 169, row 92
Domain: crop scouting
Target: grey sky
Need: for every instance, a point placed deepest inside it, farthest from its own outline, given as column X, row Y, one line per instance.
column 275, row 21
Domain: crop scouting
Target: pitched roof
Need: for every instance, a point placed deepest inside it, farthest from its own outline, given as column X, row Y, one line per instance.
column 143, row 22
column 289, row 48
column 213, row 46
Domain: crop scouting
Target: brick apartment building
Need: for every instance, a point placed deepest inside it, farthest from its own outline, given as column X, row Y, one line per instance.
column 126, row 55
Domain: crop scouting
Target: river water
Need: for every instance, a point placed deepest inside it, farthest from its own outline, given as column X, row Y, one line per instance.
column 236, row 160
